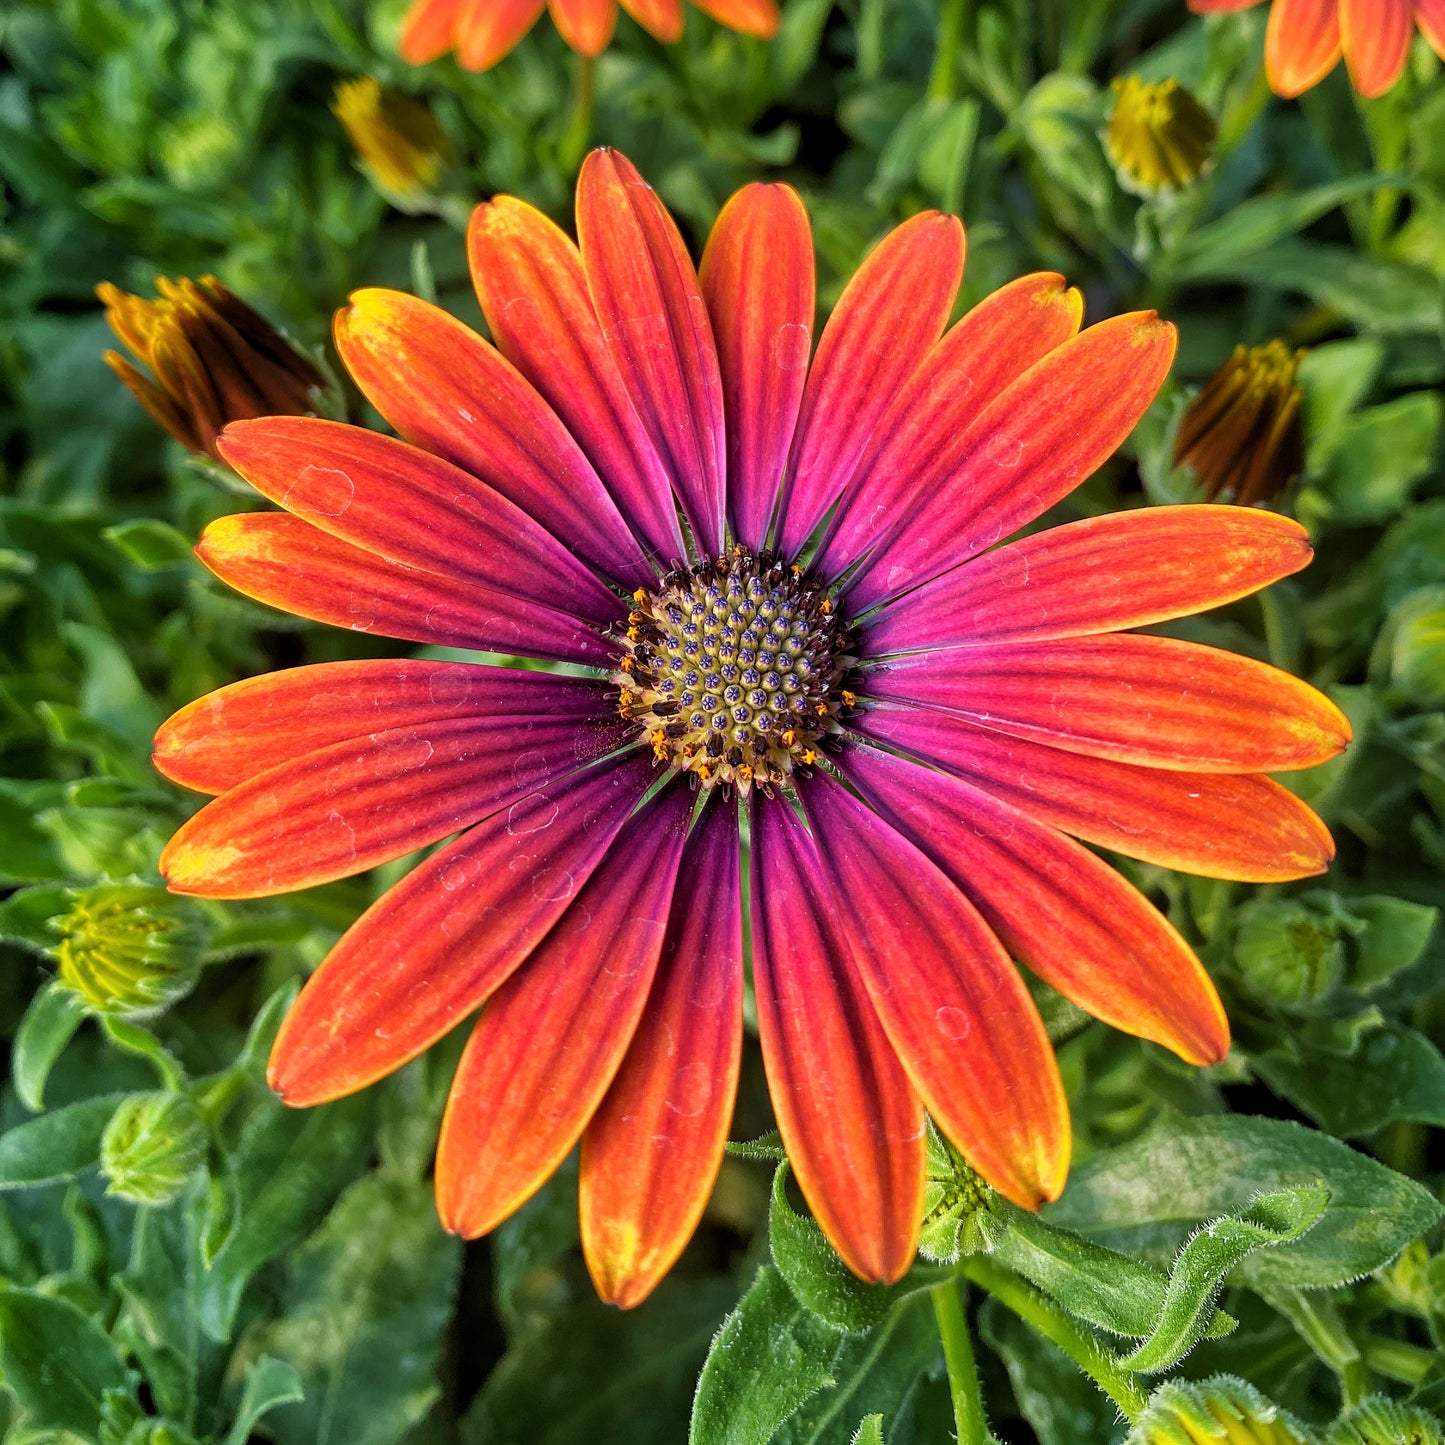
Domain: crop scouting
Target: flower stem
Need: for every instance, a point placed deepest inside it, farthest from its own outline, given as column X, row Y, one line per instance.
column 958, row 1357
column 943, row 81
column 579, row 123
column 1053, row 1324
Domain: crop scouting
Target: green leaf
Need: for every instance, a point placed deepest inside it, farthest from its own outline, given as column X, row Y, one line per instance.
column 818, row 1278
column 149, row 543
column 366, row 1302
column 1147, row 1195
column 269, row 1383
column 57, row 1145
column 49, row 1024
column 870, row 1432
column 770, row 1355
column 1198, row 1273
column 57, row 1360
column 1377, row 456
column 539, row 1233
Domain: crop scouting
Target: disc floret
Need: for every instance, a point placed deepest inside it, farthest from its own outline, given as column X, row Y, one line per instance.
column 734, row 671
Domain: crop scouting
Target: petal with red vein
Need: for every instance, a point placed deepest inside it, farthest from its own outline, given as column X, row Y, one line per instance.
column 1218, row 825
column 230, row 735
column 1148, row 700
column 488, row 30
column 365, row 800
column 586, row 25
column 452, row 394
column 428, row 31
column 552, row 1037
column 1057, row 908
column 850, row 1120
column 1301, row 44
column 646, row 294
column 950, row 1000
column 1031, row 446
column 751, row 17
column 287, row 563
column 435, row 946
column 410, row 507
column 660, row 18
column 889, row 315
column 757, row 278
column 1127, row 569
column 1375, row 36
column 990, row 348
column 533, row 292
column 651, row 1154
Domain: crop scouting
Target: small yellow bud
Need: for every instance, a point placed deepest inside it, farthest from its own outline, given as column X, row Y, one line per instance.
column 127, row 948
column 1218, row 1411
column 152, row 1146
column 1242, row 436
column 1159, row 137
column 401, row 146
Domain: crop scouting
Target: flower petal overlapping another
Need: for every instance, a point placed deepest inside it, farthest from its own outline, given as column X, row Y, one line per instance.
column 637, row 419
column 1306, row 38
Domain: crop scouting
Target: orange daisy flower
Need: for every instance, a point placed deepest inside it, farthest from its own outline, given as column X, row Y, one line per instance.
column 481, row 32
column 1305, row 39
column 775, row 572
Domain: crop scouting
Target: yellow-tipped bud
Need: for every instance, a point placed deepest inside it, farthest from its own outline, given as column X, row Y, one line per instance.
column 211, row 357
column 1386, row 1422
column 1159, row 137
column 1243, row 435
column 400, row 144
column 1218, row 1411
column 126, row 948
column 152, row 1146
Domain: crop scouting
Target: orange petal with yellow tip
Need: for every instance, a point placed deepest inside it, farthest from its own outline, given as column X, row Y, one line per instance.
column 1301, row 44
column 586, row 25
column 751, row 17
column 950, row 1001
column 662, row 19
column 552, row 1037
column 850, row 1119
column 1375, row 36
column 652, row 1152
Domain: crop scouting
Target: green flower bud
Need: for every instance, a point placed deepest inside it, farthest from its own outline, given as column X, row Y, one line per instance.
column 958, row 1217
column 128, row 948
column 1159, row 137
column 1384, row 1422
column 1218, row 1411
column 152, row 1146
column 1417, row 647
column 1288, row 952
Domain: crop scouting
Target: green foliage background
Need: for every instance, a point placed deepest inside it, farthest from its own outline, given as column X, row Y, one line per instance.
column 298, row 1288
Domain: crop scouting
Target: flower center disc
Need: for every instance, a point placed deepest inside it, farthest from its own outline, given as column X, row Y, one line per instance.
column 733, row 671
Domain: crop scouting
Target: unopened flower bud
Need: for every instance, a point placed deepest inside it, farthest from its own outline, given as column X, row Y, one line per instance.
column 1288, row 952
column 127, row 948
column 957, row 1214
column 1159, row 137
column 400, row 144
column 212, row 360
column 1217, row 1411
column 1243, row 436
column 152, row 1146
column 1385, row 1422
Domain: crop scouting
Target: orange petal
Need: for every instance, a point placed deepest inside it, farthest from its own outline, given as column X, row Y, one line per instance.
column 1057, row 908
column 1301, row 44
column 428, row 31
column 488, row 30
column 228, row 736
column 287, row 563
column 653, row 1149
column 662, row 19
column 1430, row 17
column 1376, row 36
column 951, row 1002
column 1126, row 569
column 1215, row 824
column 751, row 17
column 440, row 942
column 889, row 315
column 450, row 393
column 533, row 292
column 586, row 25
column 551, row 1039
column 850, row 1120
column 647, row 297
column 1135, row 699
column 757, row 278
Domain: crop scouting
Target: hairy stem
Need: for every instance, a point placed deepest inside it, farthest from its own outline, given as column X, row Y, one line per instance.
column 958, row 1357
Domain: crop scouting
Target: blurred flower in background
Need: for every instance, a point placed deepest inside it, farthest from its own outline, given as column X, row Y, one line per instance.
column 1159, row 136
column 481, row 32
column 212, row 358
column 1306, row 38
column 1243, row 435
column 400, row 144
